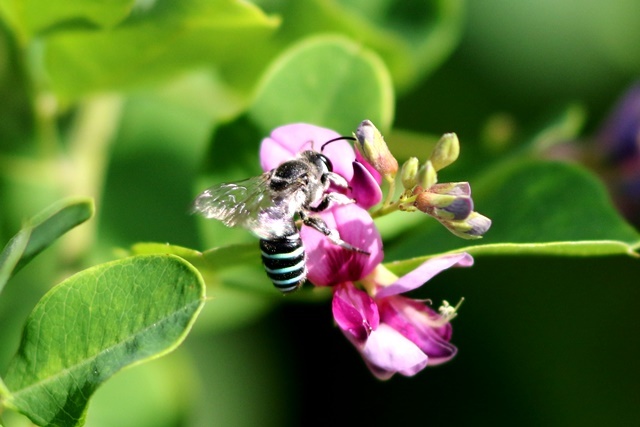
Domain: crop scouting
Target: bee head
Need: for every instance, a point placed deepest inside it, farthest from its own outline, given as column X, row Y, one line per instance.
column 319, row 160
column 324, row 159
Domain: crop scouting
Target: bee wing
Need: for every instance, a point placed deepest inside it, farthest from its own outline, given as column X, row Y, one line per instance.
column 247, row 204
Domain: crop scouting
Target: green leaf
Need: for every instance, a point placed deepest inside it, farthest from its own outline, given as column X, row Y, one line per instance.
column 236, row 265
column 215, row 259
column 542, row 207
column 29, row 17
column 240, row 290
column 566, row 248
column 11, row 255
column 94, row 324
column 235, row 271
column 536, row 201
column 328, row 81
column 156, row 43
column 413, row 37
column 53, row 222
column 576, row 249
column 41, row 232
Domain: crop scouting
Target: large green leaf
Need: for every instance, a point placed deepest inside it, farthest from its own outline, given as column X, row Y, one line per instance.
column 413, row 37
column 167, row 38
column 241, row 292
column 40, row 232
column 537, row 201
column 537, row 207
column 94, row 324
column 328, row 81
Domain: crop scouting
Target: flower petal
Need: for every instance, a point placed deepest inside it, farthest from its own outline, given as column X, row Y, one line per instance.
column 355, row 312
column 329, row 264
column 365, row 190
column 374, row 173
column 420, row 324
column 424, row 273
column 388, row 352
column 286, row 142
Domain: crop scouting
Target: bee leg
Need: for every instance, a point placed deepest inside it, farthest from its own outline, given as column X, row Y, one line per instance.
column 335, row 179
column 318, row 224
column 328, row 198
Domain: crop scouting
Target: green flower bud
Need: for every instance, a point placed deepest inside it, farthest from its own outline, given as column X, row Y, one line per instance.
column 409, row 173
column 370, row 144
column 446, row 151
column 427, row 175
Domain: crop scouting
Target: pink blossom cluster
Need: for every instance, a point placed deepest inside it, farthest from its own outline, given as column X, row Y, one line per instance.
column 392, row 332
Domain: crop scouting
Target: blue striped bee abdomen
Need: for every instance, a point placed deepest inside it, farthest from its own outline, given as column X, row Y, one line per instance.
column 284, row 261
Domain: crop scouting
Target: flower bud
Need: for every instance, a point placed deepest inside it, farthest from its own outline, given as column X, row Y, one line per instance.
column 370, row 144
column 452, row 188
column 444, row 206
column 457, row 210
column 409, row 173
column 473, row 227
column 427, row 175
column 446, row 151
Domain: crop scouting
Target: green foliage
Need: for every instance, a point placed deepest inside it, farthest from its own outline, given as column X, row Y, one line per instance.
column 137, row 106
column 41, row 232
column 543, row 208
column 412, row 37
column 95, row 323
column 151, row 44
column 355, row 85
column 29, row 18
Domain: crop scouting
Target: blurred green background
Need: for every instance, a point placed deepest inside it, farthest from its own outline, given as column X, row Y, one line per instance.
column 542, row 340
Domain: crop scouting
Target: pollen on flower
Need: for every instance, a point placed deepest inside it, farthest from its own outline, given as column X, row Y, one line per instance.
column 448, row 311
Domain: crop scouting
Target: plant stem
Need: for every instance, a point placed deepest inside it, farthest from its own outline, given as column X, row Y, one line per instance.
column 96, row 123
column 403, row 203
column 391, row 193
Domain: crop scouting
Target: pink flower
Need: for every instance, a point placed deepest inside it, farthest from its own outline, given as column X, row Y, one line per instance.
column 329, row 264
column 286, row 142
column 393, row 333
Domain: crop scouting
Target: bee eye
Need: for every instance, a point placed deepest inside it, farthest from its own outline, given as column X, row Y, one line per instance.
column 327, row 163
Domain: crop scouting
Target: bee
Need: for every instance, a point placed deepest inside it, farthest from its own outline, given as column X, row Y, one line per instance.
column 268, row 204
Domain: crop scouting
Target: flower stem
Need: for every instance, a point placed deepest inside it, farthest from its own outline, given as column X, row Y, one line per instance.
column 404, row 203
column 390, row 193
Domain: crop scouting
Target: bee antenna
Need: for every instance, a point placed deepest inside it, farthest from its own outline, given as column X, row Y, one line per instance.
column 336, row 139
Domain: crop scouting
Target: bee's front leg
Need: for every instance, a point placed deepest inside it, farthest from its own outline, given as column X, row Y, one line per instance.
column 335, row 179
column 333, row 235
column 329, row 198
